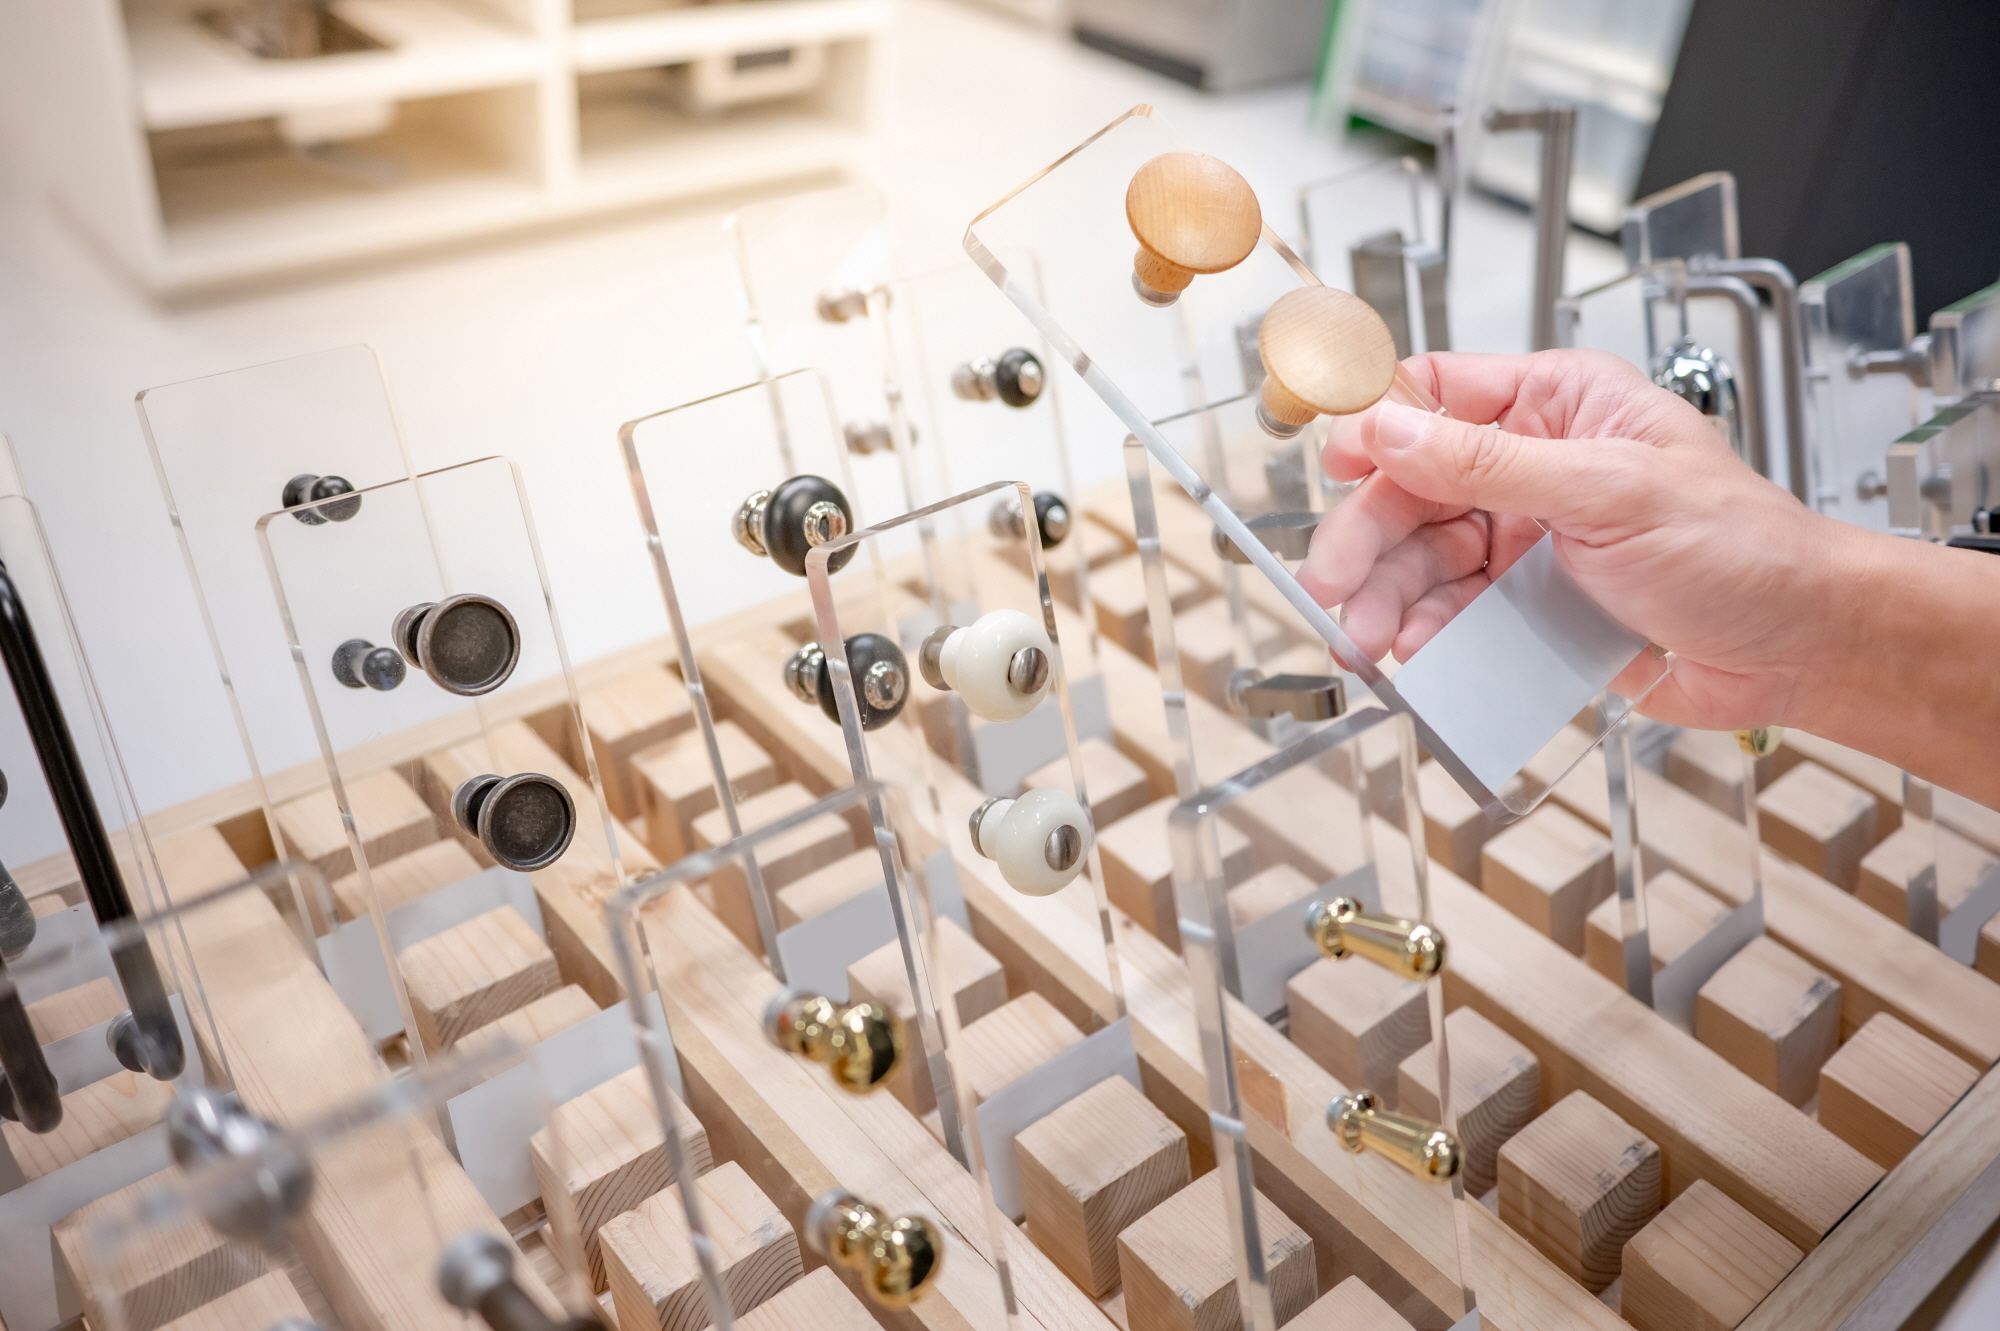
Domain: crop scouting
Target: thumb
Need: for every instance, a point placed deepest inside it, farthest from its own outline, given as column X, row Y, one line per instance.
column 1460, row 465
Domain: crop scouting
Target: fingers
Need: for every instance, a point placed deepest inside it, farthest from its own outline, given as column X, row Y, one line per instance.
column 1460, row 466
column 1370, row 522
column 1436, row 608
column 1440, row 553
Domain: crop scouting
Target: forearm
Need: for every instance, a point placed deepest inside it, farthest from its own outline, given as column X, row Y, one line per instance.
column 1910, row 666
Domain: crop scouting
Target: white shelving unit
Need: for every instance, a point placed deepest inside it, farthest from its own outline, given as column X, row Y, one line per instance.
column 162, row 137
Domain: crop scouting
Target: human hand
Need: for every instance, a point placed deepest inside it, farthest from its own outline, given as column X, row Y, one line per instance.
column 1653, row 515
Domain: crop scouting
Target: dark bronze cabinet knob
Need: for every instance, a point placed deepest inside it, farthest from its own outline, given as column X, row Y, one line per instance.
column 310, row 489
column 1051, row 519
column 1016, row 378
column 210, row 1128
column 360, row 664
column 860, row 1044
column 897, row 1257
column 786, row 523
column 468, row 644
column 881, row 678
column 525, row 821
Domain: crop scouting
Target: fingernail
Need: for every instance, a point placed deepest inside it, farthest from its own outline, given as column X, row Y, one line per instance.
column 1398, row 426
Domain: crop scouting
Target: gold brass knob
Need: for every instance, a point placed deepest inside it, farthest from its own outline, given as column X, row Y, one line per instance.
column 1761, row 742
column 1425, row 1149
column 1342, row 929
column 860, row 1043
column 897, row 1257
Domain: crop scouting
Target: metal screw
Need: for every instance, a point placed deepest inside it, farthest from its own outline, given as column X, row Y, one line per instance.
column 1028, row 671
column 883, row 685
column 746, row 524
column 1062, row 848
column 825, row 522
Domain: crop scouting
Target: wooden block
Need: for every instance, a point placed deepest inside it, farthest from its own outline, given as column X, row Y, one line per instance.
column 1358, row 1021
column 1179, row 1270
column 1138, row 864
column 474, row 973
column 257, row 1306
column 162, row 1273
column 1349, row 1306
column 1455, row 831
column 1678, row 914
column 95, row 1116
column 1092, row 1168
column 1883, row 880
column 1773, row 1015
column 389, row 819
column 75, row 1009
column 1887, row 1087
column 1549, row 869
column 1010, row 1042
column 1577, row 1183
column 782, row 860
column 624, row 718
column 405, row 878
column 528, row 1026
column 1274, row 888
column 606, row 1151
column 1877, row 776
column 817, row 1303
column 673, row 783
column 1496, row 1087
column 1207, row 640
column 1118, row 595
column 1116, row 785
column 1708, row 764
column 1701, row 1264
column 823, row 889
column 1820, row 821
column 963, row 968
column 650, row 1261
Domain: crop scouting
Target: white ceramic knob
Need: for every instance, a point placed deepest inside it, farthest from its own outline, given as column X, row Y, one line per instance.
column 1040, row 840
column 1000, row 664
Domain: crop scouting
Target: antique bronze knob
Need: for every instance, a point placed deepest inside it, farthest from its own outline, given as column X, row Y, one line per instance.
column 880, row 671
column 1424, row 1149
column 897, row 1257
column 310, row 489
column 784, row 524
column 468, row 644
column 1191, row 214
column 525, row 821
column 1340, row 928
column 860, row 1044
column 360, row 664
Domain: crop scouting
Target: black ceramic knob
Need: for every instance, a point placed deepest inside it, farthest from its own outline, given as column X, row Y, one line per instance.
column 310, row 489
column 360, row 664
column 804, row 512
column 1018, row 377
column 881, row 678
column 1051, row 519
column 525, row 821
column 468, row 644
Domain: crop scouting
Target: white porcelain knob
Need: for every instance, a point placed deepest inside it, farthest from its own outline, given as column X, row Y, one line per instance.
column 1040, row 840
column 1000, row 664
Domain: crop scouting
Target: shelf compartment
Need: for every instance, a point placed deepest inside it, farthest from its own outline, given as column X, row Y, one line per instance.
column 670, row 36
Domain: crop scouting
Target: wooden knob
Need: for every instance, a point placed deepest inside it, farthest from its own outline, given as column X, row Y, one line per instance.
column 1192, row 213
column 1325, row 352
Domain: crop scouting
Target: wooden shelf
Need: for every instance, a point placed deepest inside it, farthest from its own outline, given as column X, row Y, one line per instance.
column 668, row 36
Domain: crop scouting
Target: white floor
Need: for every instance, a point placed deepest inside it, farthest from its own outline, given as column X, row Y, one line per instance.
column 540, row 347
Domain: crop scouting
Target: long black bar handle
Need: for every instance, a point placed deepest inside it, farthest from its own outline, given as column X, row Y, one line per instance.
column 84, row 829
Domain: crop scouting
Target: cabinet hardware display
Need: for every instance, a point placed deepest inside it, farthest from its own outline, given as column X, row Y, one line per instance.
column 315, row 490
column 360, row 664
column 1015, row 378
column 1424, row 1149
column 525, row 821
column 1192, row 214
column 881, row 678
column 999, row 664
column 784, row 524
column 1340, row 929
column 476, row 1273
column 860, row 1043
column 897, row 1257
column 1052, row 519
column 468, row 644
column 1039, row 840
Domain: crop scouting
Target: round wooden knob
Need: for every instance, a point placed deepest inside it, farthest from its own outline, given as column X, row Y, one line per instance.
column 1192, row 214
column 1325, row 352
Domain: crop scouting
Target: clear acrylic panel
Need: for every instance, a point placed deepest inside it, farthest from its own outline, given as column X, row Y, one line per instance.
column 1365, row 230
column 427, row 612
column 1940, row 474
column 1858, row 314
column 1537, row 640
column 1951, row 868
column 1272, row 951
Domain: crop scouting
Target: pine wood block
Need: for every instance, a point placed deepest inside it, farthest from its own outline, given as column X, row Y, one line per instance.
column 1455, row 830
column 624, row 718
column 95, row 1116
column 1358, row 1021
column 257, row 1306
column 1883, row 881
column 1271, row 889
column 1349, row 1306
column 1701, row 1264
column 1550, row 869
column 650, row 1262
column 163, row 1273
column 1773, row 1015
column 1819, row 820
column 833, row 885
column 1010, row 1042
column 1138, row 864
column 405, row 878
column 474, row 973
column 1877, row 776
column 1179, row 1271
column 1678, row 914
column 1116, row 785
column 1578, row 1182
column 673, row 783
column 1118, row 596
column 819, row 1302
column 528, row 1026
column 1496, row 1086
column 75, row 1009
column 782, row 860
column 1708, row 764
column 606, row 1151
column 1206, row 638
column 390, row 819
column 1888, row 1086
column 963, row 968
column 1093, row 1167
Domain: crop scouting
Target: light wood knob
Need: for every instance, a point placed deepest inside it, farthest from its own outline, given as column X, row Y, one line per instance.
column 1192, row 214
column 1325, row 352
